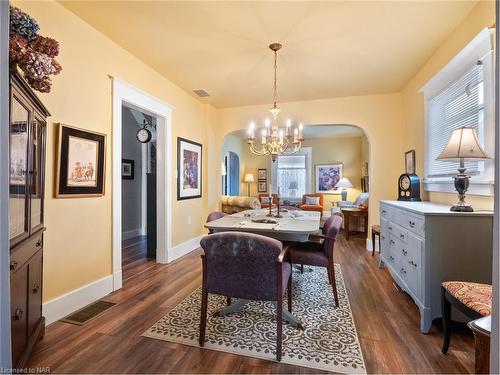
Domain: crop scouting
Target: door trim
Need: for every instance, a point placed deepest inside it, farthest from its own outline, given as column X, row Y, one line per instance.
column 124, row 92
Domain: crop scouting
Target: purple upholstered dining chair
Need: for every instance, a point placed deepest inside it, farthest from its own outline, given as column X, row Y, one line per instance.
column 318, row 251
column 247, row 266
column 214, row 216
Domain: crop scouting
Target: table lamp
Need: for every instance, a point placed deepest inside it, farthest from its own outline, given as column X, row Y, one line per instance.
column 463, row 145
column 248, row 179
column 343, row 183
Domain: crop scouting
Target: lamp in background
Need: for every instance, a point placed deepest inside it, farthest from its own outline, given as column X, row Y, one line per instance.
column 248, row 179
column 343, row 183
column 463, row 145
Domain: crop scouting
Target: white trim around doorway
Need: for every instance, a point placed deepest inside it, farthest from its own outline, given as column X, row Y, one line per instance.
column 125, row 93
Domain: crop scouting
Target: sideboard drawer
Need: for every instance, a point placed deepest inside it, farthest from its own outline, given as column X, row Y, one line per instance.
column 387, row 212
column 411, row 222
column 399, row 233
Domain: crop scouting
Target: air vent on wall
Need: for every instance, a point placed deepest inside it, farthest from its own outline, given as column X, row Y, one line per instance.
column 201, row 93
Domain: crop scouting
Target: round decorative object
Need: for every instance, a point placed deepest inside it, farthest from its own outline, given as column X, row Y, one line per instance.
column 143, row 135
column 409, row 187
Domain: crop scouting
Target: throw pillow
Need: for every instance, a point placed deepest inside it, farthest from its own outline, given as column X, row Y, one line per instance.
column 313, row 201
column 264, row 200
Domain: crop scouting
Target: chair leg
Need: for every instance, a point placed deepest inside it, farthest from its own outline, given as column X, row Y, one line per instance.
column 228, row 301
column 301, row 268
column 329, row 276
column 446, row 313
column 279, row 327
column 289, row 293
column 203, row 318
column 373, row 243
column 331, row 271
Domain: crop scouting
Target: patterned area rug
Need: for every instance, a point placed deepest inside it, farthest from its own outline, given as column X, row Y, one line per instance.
column 329, row 341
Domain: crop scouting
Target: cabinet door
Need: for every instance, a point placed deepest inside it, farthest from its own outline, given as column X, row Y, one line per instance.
column 36, row 172
column 34, row 291
column 18, row 308
column 18, row 181
column 414, row 264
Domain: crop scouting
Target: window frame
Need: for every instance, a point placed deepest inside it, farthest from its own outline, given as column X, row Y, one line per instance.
column 480, row 48
column 307, row 152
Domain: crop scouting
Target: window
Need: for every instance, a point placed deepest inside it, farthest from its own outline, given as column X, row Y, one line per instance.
column 292, row 174
column 461, row 94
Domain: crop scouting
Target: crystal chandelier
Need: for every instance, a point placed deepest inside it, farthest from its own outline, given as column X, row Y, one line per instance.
column 275, row 141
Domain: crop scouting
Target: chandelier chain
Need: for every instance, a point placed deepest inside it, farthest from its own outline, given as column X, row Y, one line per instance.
column 275, row 85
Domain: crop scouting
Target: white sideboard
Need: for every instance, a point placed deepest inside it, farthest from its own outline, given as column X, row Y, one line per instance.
column 423, row 244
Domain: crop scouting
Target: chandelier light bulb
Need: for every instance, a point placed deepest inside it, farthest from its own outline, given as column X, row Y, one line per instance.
column 267, row 122
column 288, row 123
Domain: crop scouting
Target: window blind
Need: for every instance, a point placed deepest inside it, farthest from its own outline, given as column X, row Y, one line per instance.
column 460, row 104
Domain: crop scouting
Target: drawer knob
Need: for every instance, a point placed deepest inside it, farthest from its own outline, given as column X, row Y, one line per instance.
column 390, row 228
column 13, row 265
column 404, row 252
column 36, row 288
column 38, row 243
column 384, row 211
column 383, row 238
column 402, row 236
column 392, row 242
column 403, row 271
column 412, row 224
column 18, row 314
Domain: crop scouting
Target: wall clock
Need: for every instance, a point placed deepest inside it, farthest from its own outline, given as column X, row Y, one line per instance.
column 409, row 187
column 143, row 135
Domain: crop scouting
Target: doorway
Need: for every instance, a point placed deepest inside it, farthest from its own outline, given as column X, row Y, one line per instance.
column 138, row 188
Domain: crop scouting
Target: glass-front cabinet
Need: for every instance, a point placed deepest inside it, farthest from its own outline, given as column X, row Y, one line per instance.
column 27, row 160
column 27, row 125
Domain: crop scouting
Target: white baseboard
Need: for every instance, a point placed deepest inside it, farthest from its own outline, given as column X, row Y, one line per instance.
column 369, row 246
column 65, row 304
column 184, row 248
column 133, row 233
column 117, row 280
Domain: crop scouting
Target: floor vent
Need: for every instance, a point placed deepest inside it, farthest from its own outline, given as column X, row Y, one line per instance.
column 88, row 313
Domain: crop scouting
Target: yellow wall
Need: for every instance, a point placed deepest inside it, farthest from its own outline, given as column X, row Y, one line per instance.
column 78, row 247
column 380, row 116
column 481, row 16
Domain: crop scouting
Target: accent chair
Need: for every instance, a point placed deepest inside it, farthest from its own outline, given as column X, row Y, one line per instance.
column 247, row 266
column 307, row 206
column 214, row 216
column 318, row 251
column 361, row 201
column 471, row 299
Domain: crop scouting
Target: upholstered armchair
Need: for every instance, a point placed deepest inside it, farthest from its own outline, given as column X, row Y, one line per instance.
column 264, row 200
column 361, row 201
column 246, row 266
column 318, row 250
column 312, row 202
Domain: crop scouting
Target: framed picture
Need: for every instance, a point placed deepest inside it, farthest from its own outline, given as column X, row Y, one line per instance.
column 262, row 186
column 189, row 169
column 262, row 174
column 410, row 162
column 127, row 169
column 81, row 163
column 327, row 176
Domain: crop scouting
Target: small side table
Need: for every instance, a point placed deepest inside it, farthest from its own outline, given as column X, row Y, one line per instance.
column 354, row 212
column 481, row 328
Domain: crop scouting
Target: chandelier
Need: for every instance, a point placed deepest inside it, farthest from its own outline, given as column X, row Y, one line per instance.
column 273, row 140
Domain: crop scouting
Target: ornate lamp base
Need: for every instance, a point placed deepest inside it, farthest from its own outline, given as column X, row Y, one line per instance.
column 461, row 185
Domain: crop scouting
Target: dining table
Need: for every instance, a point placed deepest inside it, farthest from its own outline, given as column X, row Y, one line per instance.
column 292, row 225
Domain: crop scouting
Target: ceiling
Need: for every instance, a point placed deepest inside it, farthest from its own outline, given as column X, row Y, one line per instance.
column 330, row 48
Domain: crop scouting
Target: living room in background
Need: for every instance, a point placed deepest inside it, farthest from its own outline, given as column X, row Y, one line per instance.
column 291, row 174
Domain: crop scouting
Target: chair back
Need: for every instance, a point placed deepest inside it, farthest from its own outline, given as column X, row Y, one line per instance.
column 331, row 227
column 362, row 199
column 320, row 196
column 215, row 215
column 241, row 265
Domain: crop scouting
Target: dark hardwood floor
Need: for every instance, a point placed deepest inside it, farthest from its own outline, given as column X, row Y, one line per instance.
column 386, row 319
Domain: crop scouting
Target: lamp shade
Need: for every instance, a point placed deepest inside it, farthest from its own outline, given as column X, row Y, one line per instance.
column 248, row 178
column 463, row 144
column 343, row 183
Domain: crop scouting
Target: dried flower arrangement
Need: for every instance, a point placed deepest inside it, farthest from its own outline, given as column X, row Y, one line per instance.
column 32, row 53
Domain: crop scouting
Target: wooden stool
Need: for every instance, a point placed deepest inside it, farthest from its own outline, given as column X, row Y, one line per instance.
column 472, row 299
column 375, row 232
